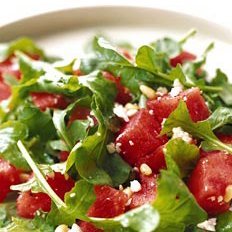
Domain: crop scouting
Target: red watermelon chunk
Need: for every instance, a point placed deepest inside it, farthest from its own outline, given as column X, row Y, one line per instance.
column 9, row 175
column 88, row 227
column 109, row 202
column 28, row 203
column 182, row 58
column 123, row 95
column 79, row 113
column 147, row 193
column 49, row 100
column 225, row 138
column 155, row 160
column 164, row 106
column 139, row 137
column 209, row 179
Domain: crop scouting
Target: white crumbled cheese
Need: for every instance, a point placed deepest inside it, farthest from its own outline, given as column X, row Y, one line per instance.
column 145, row 169
column 162, row 91
column 72, row 195
column 228, row 193
column 208, row 225
column 185, row 98
column 128, row 192
column 75, row 228
column 135, row 186
column 151, row 112
column 177, row 88
column 111, row 148
column 91, row 122
column 62, row 228
column 131, row 143
column 179, row 133
column 121, row 112
column 147, row 91
column 117, row 147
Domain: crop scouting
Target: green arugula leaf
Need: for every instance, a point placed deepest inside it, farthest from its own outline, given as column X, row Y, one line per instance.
column 117, row 168
column 39, row 76
column 143, row 218
column 184, row 154
column 107, row 58
column 147, row 58
column 222, row 80
column 10, row 133
column 23, row 44
column 202, row 130
column 7, row 210
column 38, row 224
column 224, row 222
column 104, row 93
column 175, row 204
column 39, row 123
column 87, row 156
column 167, row 45
column 220, row 117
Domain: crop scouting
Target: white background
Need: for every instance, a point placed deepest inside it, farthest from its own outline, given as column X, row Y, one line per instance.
column 212, row 10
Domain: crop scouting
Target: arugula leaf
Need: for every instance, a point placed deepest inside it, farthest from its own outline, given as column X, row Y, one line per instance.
column 222, row 80
column 78, row 130
column 10, row 133
column 224, row 222
column 175, row 204
column 38, row 224
column 170, row 46
column 23, row 44
column 220, row 117
column 7, row 210
column 180, row 118
column 77, row 201
column 147, row 58
column 39, row 123
column 107, row 58
column 86, row 156
column 117, row 168
column 167, row 45
column 143, row 218
column 104, row 93
column 184, row 154
column 39, row 76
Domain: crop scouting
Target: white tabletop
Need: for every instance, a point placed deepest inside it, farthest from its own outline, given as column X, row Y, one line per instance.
column 216, row 11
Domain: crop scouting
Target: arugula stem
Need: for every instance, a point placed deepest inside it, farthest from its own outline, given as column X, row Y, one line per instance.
column 189, row 34
column 220, row 144
column 38, row 174
column 205, row 88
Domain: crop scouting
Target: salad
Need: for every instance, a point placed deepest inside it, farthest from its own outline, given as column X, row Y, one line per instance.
column 123, row 139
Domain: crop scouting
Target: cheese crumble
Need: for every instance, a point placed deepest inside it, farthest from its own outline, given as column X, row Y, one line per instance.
column 179, row 133
column 208, row 225
column 135, row 186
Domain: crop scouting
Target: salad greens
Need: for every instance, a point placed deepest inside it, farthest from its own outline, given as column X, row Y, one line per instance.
column 32, row 139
